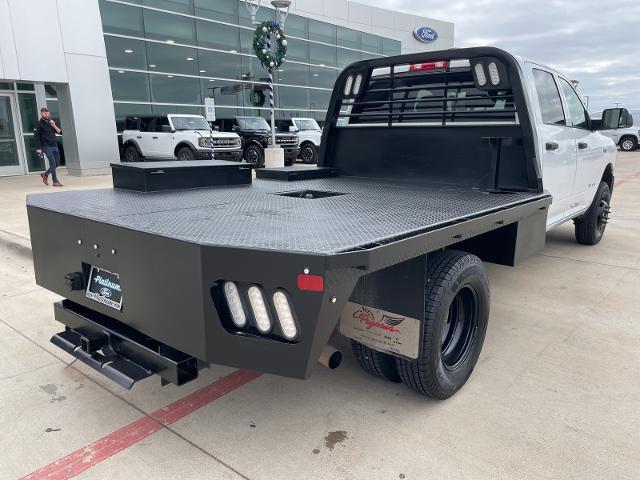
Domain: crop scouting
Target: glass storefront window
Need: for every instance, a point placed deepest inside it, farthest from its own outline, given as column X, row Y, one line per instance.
column 172, row 58
column 6, row 86
column 319, row 99
column 371, row 43
column 224, row 93
column 129, row 86
column 26, row 87
column 169, row 28
column 253, row 70
column 216, row 64
column 174, row 89
column 346, row 57
column 124, row 110
column 322, row 32
column 215, row 35
column 122, row 19
column 292, row 97
column 28, row 111
column 124, row 53
column 297, row 26
column 322, row 77
column 322, row 54
column 163, row 109
column 298, row 50
column 223, row 10
column 180, row 6
column 51, row 90
column 292, row 74
column 34, row 162
column 349, row 38
column 390, row 47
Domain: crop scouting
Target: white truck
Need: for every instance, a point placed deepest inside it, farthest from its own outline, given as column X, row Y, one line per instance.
column 431, row 164
column 309, row 135
column 179, row 136
column 618, row 124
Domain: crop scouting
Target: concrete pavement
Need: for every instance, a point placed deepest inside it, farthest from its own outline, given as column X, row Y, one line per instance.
column 555, row 395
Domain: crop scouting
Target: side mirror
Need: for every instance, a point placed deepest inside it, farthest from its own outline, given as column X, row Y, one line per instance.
column 613, row 118
column 293, row 128
column 167, row 129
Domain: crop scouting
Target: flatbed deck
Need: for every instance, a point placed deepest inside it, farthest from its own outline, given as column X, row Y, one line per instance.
column 364, row 213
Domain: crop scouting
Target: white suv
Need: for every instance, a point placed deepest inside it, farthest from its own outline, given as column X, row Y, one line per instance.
column 185, row 137
column 309, row 135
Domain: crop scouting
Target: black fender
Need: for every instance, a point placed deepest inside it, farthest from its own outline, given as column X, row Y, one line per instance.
column 182, row 145
column 608, row 177
column 252, row 142
column 127, row 144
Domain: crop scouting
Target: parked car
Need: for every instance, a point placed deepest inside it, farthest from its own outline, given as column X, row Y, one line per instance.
column 255, row 133
column 618, row 124
column 185, row 137
column 478, row 154
column 309, row 136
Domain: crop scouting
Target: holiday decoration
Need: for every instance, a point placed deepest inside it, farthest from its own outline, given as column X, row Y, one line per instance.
column 271, row 57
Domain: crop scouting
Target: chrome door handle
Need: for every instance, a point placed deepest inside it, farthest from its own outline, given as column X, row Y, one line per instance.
column 551, row 146
column 582, row 145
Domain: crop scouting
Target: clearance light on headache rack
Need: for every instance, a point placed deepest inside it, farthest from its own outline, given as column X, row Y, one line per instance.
column 437, row 65
column 493, row 73
column 357, row 84
column 480, row 75
column 347, row 85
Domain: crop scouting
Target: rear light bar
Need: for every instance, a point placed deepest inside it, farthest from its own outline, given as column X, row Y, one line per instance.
column 310, row 283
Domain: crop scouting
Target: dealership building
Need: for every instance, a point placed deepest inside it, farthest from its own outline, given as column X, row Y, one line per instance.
column 94, row 62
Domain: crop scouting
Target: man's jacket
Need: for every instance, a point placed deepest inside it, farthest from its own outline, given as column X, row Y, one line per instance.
column 44, row 134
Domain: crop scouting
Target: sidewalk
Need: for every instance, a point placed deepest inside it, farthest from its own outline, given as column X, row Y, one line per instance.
column 14, row 227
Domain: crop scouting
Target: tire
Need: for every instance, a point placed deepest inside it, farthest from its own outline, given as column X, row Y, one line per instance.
column 376, row 363
column 456, row 314
column 309, row 153
column 185, row 154
column 131, row 154
column 590, row 227
column 628, row 144
column 254, row 156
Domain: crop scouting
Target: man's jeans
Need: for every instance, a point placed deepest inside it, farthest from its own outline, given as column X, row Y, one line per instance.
column 53, row 155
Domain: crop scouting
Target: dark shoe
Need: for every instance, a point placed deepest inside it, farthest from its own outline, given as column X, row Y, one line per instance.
column 45, row 178
column 57, row 184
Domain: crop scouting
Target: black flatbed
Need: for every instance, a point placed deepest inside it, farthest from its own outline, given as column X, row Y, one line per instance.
column 367, row 212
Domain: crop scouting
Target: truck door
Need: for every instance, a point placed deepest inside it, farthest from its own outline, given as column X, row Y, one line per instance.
column 589, row 163
column 558, row 145
column 162, row 141
column 143, row 137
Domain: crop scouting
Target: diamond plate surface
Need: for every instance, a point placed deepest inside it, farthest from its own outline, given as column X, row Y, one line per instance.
column 371, row 212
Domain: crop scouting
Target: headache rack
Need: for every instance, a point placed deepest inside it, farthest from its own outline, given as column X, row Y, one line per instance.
column 456, row 117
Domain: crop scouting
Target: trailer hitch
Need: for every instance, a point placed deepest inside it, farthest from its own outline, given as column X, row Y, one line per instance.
column 117, row 351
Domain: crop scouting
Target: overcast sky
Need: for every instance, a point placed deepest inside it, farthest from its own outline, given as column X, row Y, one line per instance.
column 595, row 42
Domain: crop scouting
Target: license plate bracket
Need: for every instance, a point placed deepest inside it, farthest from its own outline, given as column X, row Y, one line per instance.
column 104, row 287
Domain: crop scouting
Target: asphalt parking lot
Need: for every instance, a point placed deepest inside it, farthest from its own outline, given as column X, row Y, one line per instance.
column 555, row 394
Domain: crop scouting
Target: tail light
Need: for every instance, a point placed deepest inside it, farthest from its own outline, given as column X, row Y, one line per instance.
column 437, row 65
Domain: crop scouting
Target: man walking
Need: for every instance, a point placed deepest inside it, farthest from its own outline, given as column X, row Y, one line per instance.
column 45, row 137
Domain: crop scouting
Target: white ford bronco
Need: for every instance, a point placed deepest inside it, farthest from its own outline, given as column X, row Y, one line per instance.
column 185, row 137
column 618, row 124
column 309, row 135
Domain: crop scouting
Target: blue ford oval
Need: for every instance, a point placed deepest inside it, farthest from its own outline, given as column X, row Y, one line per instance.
column 425, row 34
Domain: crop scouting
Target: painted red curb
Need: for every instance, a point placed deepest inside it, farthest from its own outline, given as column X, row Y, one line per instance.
column 624, row 180
column 86, row 457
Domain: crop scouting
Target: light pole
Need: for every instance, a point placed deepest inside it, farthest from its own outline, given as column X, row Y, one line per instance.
column 586, row 97
column 575, row 83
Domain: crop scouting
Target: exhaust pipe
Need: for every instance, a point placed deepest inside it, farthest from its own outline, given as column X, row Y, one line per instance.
column 330, row 357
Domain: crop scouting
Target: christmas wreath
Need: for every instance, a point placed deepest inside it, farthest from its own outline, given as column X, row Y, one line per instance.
column 266, row 32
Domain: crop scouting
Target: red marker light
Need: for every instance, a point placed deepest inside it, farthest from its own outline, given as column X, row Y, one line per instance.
column 310, row 283
column 439, row 65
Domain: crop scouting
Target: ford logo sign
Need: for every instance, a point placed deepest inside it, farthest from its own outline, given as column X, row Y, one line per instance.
column 425, row 34
column 105, row 292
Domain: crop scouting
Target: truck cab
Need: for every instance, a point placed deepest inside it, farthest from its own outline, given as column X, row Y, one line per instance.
column 618, row 125
column 255, row 134
column 309, row 136
column 176, row 136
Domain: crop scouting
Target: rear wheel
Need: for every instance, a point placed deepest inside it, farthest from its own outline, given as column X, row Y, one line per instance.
column 590, row 227
column 628, row 144
column 455, row 324
column 254, row 156
column 185, row 153
column 131, row 154
column 309, row 153
column 376, row 363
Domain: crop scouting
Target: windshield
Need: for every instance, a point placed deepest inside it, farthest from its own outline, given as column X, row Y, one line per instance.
column 190, row 123
column 253, row 123
column 307, row 124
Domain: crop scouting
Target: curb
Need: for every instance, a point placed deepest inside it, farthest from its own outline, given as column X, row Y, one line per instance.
column 16, row 243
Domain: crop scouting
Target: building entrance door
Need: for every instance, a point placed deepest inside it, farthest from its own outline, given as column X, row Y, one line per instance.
column 10, row 154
